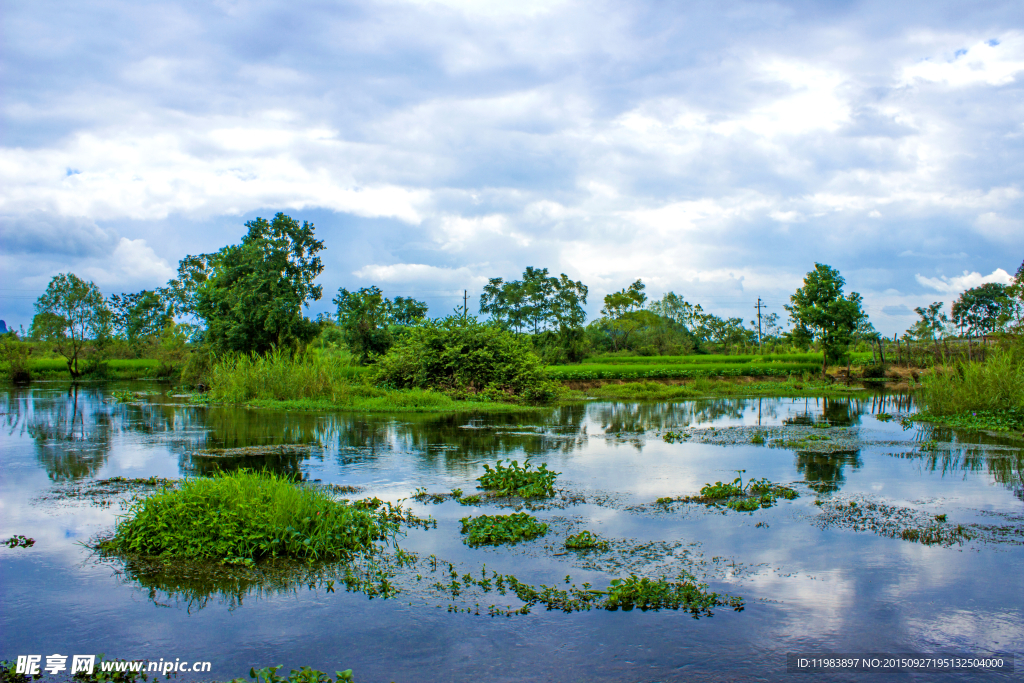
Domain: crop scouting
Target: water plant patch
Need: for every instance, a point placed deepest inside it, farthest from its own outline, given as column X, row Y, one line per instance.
column 585, row 540
column 516, row 480
column 756, row 494
column 499, row 529
column 251, row 515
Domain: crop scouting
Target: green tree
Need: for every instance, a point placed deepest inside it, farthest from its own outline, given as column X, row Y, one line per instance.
column 820, row 312
column 1012, row 317
column 135, row 317
column 569, row 315
column 253, row 293
column 70, row 313
column 625, row 314
column 978, row 310
column 368, row 319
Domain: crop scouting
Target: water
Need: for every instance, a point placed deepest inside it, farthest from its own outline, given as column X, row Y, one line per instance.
column 809, row 588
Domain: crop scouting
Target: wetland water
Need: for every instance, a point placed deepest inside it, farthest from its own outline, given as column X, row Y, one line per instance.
column 817, row 577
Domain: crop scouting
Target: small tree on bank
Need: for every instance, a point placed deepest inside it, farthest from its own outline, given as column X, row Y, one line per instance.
column 70, row 313
column 821, row 313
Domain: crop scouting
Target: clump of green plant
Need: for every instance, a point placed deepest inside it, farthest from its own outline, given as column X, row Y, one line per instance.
column 646, row 594
column 499, row 529
column 758, row 438
column 463, row 357
column 756, row 494
column 516, row 480
column 718, row 490
column 251, row 515
column 470, row 500
column 883, row 417
column 19, row 541
column 585, row 540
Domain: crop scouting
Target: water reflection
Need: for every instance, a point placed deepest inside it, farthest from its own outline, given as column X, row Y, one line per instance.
column 827, row 468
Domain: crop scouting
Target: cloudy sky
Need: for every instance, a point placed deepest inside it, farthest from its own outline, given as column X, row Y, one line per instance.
column 716, row 149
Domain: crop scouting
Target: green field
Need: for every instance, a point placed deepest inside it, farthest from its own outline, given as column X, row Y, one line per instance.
column 689, row 367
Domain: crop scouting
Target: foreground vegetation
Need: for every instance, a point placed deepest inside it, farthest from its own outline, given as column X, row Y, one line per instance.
column 250, row 516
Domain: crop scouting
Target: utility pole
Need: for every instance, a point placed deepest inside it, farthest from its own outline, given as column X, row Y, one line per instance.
column 465, row 303
column 759, row 307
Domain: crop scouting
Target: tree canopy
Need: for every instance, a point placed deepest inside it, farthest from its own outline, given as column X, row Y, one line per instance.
column 820, row 312
column 251, row 295
column 69, row 313
column 366, row 317
column 978, row 310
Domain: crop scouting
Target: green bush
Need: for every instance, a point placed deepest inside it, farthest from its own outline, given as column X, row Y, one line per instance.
column 465, row 358
column 248, row 515
column 498, row 529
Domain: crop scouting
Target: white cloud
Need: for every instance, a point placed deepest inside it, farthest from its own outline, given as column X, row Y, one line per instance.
column 961, row 283
column 993, row 62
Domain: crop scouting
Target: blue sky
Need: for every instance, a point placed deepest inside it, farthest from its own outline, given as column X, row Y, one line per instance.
column 715, row 149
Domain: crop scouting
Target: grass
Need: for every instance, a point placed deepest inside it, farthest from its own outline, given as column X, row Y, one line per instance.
column 516, row 480
column 249, row 516
column 593, row 371
column 994, row 384
column 715, row 359
column 651, row 390
column 1006, row 420
column 115, row 368
column 277, row 376
column 499, row 529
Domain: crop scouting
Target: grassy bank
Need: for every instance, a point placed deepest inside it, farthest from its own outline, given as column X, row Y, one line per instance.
column 983, row 395
column 651, row 390
column 318, row 383
column 691, row 367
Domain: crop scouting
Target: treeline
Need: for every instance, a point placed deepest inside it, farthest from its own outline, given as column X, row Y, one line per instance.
column 251, row 298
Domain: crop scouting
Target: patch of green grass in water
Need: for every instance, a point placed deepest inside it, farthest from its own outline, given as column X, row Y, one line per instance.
column 248, row 516
column 1005, row 420
column 500, row 529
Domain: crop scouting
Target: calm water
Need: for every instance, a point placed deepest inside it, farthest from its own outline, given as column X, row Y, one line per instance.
column 809, row 587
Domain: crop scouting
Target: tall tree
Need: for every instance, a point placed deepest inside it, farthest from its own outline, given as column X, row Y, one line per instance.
column 254, row 292
column 820, row 312
column 1012, row 317
column 70, row 313
column 567, row 310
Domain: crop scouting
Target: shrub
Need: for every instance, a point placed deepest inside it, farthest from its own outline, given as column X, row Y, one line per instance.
column 277, row 375
column 250, row 515
column 461, row 356
column 498, row 529
column 514, row 480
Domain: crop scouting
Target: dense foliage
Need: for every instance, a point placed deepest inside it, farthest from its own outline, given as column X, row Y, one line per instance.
column 70, row 313
column 993, row 384
column 821, row 312
column 253, row 293
column 368, row 320
column 516, row 480
column 249, row 515
column 499, row 529
column 460, row 355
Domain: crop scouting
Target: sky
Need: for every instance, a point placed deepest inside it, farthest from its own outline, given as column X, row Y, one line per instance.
column 714, row 149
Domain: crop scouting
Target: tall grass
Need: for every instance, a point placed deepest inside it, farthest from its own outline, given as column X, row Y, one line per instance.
column 277, row 376
column 248, row 515
column 996, row 383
